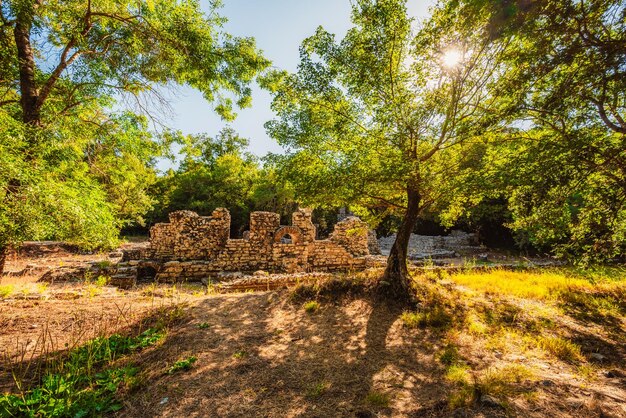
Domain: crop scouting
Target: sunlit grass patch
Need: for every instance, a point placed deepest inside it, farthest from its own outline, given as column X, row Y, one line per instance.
column 561, row 348
column 500, row 382
column 526, row 284
column 475, row 325
column 503, row 381
column 437, row 317
column 311, row 306
column 6, row 290
column 507, row 340
column 588, row 372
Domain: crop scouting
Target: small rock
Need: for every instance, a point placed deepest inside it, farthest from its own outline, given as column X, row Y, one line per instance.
column 490, row 401
column 574, row 403
column 597, row 356
column 164, row 401
column 612, row 374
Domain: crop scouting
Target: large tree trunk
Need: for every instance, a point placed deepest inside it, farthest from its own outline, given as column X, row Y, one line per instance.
column 397, row 273
column 28, row 86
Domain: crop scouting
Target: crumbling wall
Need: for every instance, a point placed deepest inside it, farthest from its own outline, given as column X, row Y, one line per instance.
column 192, row 247
column 351, row 233
column 189, row 236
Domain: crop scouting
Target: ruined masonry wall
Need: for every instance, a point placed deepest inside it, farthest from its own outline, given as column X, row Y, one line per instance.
column 192, row 247
column 189, row 236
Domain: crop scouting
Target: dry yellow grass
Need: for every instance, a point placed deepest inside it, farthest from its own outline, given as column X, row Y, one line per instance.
column 541, row 284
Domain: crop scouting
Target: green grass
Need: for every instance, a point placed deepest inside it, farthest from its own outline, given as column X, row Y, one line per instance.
column 84, row 382
column 501, row 383
column 435, row 317
column 183, row 365
column 103, row 264
column 318, row 389
column 311, row 306
column 240, row 354
column 449, row 356
column 378, row 399
column 6, row 290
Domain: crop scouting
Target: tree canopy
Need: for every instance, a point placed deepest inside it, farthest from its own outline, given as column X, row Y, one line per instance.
column 377, row 118
column 79, row 81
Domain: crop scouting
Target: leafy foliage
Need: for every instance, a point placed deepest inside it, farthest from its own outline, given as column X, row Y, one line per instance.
column 561, row 165
column 218, row 172
column 72, row 168
column 81, row 384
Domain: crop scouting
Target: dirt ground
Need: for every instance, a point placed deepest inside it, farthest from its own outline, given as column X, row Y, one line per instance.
column 262, row 354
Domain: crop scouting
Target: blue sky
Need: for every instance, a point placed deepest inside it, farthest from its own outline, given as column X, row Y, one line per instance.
column 279, row 26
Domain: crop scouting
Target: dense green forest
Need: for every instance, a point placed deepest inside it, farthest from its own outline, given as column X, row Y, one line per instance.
column 489, row 115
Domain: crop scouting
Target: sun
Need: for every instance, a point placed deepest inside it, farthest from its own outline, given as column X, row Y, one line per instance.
column 452, row 58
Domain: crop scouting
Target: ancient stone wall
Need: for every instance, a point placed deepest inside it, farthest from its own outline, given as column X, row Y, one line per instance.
column 192, row 247
column 189, row 236
column 351, row 233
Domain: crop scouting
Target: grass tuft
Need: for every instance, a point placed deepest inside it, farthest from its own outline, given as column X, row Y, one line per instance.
column 311, row 306
column 318, row 389
column 449, row 356
column 503, row 381
column 378, row 399
column 561, row 348
column 6, row 290
column 437, row 317
column 240, row 354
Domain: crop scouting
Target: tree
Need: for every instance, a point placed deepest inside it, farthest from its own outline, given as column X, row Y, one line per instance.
column 561, row 166
column 574, row 81
column 117, row 47
column 215, row 172
column 372, row 119
column 64, row 65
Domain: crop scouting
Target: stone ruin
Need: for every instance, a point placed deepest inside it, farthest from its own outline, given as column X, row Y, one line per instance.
column 194, row 248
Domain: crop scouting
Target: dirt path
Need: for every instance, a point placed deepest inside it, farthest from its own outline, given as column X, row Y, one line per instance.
column 262, row 356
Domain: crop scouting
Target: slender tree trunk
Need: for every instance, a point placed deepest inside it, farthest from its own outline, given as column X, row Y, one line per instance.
column 28, row 86
column 3, row 258
column 397, row 273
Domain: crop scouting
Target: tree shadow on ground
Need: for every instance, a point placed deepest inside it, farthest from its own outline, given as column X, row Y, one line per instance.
column 260, row 355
